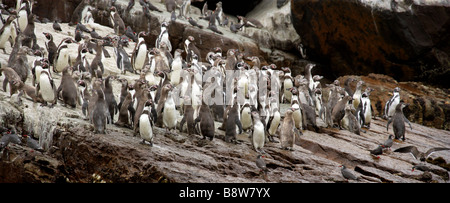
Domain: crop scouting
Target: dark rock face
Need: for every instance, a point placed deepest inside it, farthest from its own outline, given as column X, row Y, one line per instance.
column 351, row 37
column 232, row 7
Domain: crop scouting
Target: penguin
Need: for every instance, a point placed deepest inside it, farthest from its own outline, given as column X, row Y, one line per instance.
column 347, row 174
column 190, row 48
column 231, row 121
column 29, row 35
column 349, row 121
column 29, row 90
column 188, row 116
column 246, row 116
column 163, row 37
column 176, row 67
column 398, row 120
column 46, row 87
column 10, row 76
column 207, row 128
column 231, row 60
column 194, row 23
column 22, row 18
column 364, row 111
column 185, row 8
column 250, row 22
column 20, row 64
column 100, row 113
column 258, row 133
column 67, row 88
column 96, row 63
column 5, row 32
column 122, row 60
column 117, row 22
column 357, row 94
column 62, row 57
column 170, row 114
column 287, row 84
column 77, row 14
column 274, row 120
column 146, row 124
column 287, row 136
column 338, row 111
column 110, row 99
column 142, row 96
column 348, row 89
column 139, row 55
column 56, row 26
column 84, row 97
column 390, row 106
column 171, row 5
column 124, row 113
column 308, row 76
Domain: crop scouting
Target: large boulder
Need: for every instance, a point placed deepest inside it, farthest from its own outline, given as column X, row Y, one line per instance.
column 407, row 40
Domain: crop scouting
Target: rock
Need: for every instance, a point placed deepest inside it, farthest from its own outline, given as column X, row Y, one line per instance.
column 407, row 42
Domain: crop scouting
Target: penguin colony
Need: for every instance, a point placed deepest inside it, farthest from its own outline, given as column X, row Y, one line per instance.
column 223, row 87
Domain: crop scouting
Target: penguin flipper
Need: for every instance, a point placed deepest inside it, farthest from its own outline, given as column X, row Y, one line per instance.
column 406, row 120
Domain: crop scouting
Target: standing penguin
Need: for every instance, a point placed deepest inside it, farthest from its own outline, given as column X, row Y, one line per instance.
column 68, row 89
column 110, row 99
column 357, row 94
column 338, row 111
column 399, row 120
column 287, row 136
column 390, row 107
column 164, row 37
column 258, row 133
column 117, row 22
column 62, row 56
column 349, row 122
column 146, row 124
column 51, row 47
column 176, row 67
column 206, row 120
column 46, row 87
column 364, row 111
column 170, row 114
column 100, row 113
column 139, row 55
column 231, row 122
column 5, row 32
column 246, row 116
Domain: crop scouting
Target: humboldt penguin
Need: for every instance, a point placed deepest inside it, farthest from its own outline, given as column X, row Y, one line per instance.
column 170, row 114
column 420, row 155
column 246, row 116
column 62, row 57
column 122, row 59
column 357, row 95
column 348, row 89
column 390, row 107
column 338, row 111
column 364, row 111
column 185, row 8
column 399, row 120
column 274, row 120
column 146, row 124
column 100, row 113
column 46, row 87
column 5, row 32
column 10, row 76
column 20, row 64
column 349, row 121
column 29, row 39
column 23, row 13
column 308, row 76
column 188, row 116
column 231, row 121
column 190, row 48
column 164, row 37
column 207, row 128
column 117, row 22
column 110, row 99
column 287, row 131
column 258, row 134
column 97, row 62
column 139, row 54
column 176, row 67
column 67, row 88
column 287, row 84
column 124, row 113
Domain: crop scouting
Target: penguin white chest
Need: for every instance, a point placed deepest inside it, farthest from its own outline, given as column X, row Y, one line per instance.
column 394, row 103
column 62, row 60
column 170, row 114
column 38, row 70
column 5, row 36
column 46, row 88
column 140, row 57
column 258, row 137
column 23, row 20
column 246, row 119
column 145, row 128
column 298, row 119
column 275, row 123
column 287, row 94
column 367, row 109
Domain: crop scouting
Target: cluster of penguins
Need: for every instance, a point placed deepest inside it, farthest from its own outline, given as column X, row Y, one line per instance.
column 224, row 87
